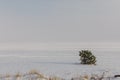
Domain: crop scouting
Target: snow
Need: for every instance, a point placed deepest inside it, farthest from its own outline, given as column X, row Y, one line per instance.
column 63, row 64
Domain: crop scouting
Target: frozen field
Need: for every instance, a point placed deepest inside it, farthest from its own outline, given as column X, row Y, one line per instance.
column 59, row 63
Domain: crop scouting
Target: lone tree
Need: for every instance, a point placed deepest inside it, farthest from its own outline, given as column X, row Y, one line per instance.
column 87, row 57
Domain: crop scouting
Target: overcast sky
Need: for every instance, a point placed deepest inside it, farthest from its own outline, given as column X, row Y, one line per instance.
column 59, row 21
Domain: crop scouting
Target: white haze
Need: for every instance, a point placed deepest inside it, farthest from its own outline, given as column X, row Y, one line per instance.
column 108, row 46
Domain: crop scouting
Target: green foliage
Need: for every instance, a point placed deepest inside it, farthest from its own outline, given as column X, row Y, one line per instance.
column 87, row 57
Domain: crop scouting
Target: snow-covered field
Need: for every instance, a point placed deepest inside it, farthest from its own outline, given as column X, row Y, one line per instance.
column 64, row 64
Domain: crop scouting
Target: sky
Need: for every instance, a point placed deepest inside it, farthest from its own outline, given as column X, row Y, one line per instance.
column 59, row 21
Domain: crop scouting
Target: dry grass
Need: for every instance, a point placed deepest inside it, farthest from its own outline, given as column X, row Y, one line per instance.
column 55, row 78
column 31, row 75
column 38, row 75
column 94, row 77
column 35, row 75
column 18, row 75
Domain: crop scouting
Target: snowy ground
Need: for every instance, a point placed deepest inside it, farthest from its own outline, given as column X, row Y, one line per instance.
column 59, row 63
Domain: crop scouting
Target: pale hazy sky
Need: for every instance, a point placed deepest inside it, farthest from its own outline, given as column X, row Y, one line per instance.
column 41, row 21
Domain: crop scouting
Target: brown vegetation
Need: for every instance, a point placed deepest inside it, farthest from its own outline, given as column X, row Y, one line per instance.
column 35, row 75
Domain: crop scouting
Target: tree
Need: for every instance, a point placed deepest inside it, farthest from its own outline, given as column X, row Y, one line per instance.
column 87, row 57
